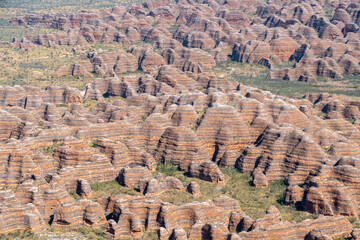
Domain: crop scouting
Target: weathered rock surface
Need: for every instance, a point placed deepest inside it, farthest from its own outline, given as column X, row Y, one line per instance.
column 175, row 111
column 332, row 227
column 194, row 189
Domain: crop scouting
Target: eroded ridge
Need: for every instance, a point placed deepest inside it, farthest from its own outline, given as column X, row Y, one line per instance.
column 161, row 104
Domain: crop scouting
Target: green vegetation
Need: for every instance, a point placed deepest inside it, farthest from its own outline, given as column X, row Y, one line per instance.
column 37, row 67
column 8, row 32
column 331, row 179
column 143, row 118
column 50, row 150
column 286, row 64
column 155, row 24
column 14, row 8
column 173, row 28
column 320, row 114
column 136, row 72
column 62, row 105
column 329, row 12
column 50, row 5
column 115, row 46
column 19, row 234
column 90, row 104
column 208, row 189
column 251, row 16
column 108, row 188
column 348, row 87
column 113, row 99
column 93, row 143
column 326, row 149
column 22, row 7
column 354, row 221
column 350, row 120
column 201, row 113
column 150, row 235
column 79, row 233
column 254, row 201
column 74, row 194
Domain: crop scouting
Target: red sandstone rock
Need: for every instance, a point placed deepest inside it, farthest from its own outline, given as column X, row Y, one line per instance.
column 180, row 146
column 20, row 217
column 163, row 117
column 151, row 60
column 155, row 187
column 83, row 188
column 285, row 230
column 83, row 213
column 130, row 177
column 259, row 179
column 207, row 171
column 194, row 189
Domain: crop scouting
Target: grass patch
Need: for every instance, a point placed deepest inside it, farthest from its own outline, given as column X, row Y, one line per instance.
column 354, row 221
column 326, row 149
column 173, row 28
column 143, row 118
column 254, row 201
column 136, row 72
column 81, row 233
column 113, row 99
column 93, row 143
column 150, row 235
column 19, row 234
column 8, row 32
column 285, row 64
column 329, row 12
column 320, row 114
column 155, row 24
column 74, row 194
column 332, row 179
column 90, row 104
column 201, row 113
column 50, row 150
column 32, row 64
column 208, row 189
column 78, row 233
column 114, row 46
column 62, row 105
column 350, row 120
column 108, row 188
column 46, row 6
column 348, row 87
column 251, row 16
column 38, row 66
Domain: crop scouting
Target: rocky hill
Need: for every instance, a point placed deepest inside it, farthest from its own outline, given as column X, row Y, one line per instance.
column 160, row 103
